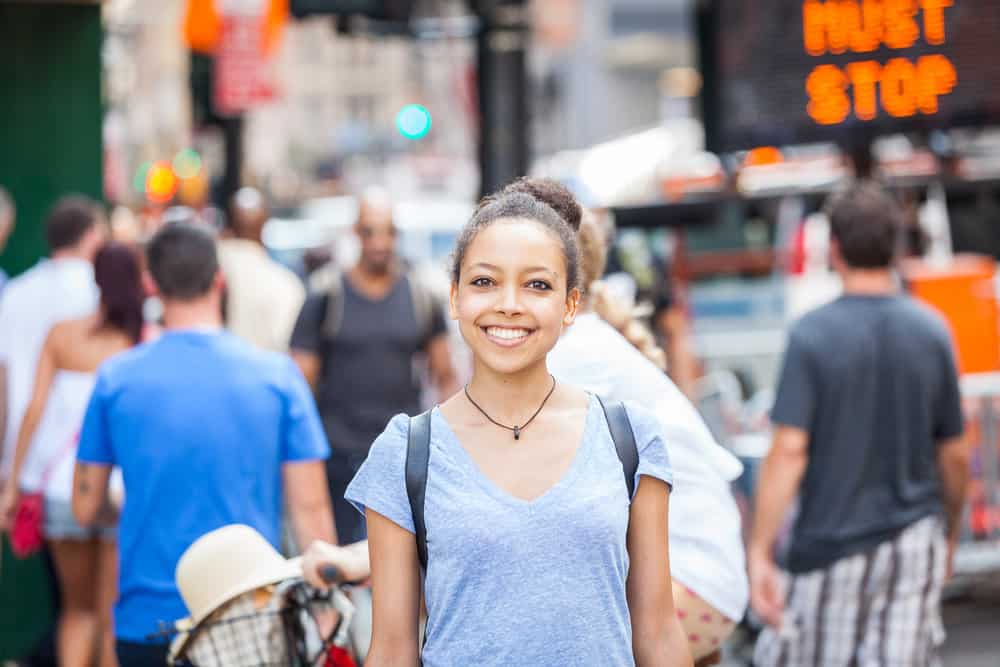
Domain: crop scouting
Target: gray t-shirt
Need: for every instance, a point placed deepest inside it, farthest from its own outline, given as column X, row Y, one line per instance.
column 368, row 371
column 512, row 582
column 873, row 381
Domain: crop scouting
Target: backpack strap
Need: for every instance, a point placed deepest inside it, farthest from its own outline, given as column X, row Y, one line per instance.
column 624, row 439
column 418, row 453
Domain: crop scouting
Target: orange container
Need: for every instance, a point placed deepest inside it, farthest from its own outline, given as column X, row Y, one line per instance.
column 964, row 292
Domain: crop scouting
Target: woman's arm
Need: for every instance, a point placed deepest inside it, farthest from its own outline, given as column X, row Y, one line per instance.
column 657, row 637
column 395, row 594
column 44, row 373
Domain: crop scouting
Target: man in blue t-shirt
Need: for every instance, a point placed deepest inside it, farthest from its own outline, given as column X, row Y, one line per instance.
column 207, row 431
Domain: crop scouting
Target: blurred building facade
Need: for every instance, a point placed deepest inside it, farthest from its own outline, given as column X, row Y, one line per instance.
column 607, row 81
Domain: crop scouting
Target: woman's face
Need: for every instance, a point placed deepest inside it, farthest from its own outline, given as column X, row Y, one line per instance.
column 511, row 301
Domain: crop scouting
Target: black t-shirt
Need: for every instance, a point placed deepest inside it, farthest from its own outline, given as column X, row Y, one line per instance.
column 873, row 381
column 368, row 370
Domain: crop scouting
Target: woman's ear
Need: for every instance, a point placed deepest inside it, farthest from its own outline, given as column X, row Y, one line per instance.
column 572, row 306
column 453, row 301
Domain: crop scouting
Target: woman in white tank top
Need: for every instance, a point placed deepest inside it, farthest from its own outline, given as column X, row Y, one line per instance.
column 85, row 558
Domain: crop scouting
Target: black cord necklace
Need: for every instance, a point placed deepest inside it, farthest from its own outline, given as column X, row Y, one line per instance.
column 516, row 429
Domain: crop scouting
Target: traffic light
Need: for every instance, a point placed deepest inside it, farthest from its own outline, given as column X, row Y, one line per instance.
column 378, row 10
column 413, row 121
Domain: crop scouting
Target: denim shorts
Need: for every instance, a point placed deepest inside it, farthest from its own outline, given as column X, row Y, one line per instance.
column 60, row 524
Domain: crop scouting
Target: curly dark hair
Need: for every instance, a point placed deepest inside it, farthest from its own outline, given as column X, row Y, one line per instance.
column 517, row 202
column 553, row 193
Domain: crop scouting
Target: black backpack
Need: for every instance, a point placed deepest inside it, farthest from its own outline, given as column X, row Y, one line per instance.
column 418, row 450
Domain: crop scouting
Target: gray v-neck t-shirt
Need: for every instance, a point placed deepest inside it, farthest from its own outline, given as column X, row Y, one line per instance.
column 515, row 582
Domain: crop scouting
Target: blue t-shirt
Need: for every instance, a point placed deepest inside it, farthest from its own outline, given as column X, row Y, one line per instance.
column 513, row 582
column 200, row 423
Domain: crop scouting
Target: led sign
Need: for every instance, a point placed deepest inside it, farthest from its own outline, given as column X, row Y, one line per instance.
column 793, row 71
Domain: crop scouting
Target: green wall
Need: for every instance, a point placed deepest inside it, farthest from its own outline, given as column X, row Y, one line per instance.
column 50, row 114
column 50, row 144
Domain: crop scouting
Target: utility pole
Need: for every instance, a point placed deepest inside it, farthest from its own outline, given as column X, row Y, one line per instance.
column 502, row 46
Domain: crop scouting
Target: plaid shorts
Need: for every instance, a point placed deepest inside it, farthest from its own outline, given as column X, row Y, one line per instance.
column 878, row 608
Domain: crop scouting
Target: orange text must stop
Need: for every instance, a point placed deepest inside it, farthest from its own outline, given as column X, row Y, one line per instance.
column 900, row 87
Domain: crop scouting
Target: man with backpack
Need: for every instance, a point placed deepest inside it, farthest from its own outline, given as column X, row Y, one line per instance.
column 356, row 340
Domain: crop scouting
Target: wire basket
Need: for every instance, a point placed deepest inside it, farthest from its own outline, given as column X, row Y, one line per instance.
column 285, row 625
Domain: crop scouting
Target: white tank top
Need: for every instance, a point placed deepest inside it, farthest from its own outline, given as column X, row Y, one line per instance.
column 54, row 444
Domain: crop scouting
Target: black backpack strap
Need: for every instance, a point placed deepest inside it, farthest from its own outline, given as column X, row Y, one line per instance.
column 418, row 454
column 624, row 439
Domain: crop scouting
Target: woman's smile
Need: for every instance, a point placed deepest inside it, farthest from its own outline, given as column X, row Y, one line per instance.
column 507, row 336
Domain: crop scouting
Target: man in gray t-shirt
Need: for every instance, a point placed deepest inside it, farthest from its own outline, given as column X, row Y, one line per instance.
column 867, row 431
column 356, row 340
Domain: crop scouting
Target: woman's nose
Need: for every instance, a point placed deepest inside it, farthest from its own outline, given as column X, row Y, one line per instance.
column 509, row 300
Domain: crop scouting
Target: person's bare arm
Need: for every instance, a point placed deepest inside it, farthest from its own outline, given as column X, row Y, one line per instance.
column 395, row 594
column 953, row 457
column 682, row 365
column 308, row 500
column 309, row 364
column 441, row 367
column 44, row 374
column 780, row 477
column 90, row 493
column 351, row 561
column 657, row 637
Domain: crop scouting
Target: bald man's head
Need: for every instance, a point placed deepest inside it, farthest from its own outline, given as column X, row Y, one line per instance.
column 376, row 231
column 249, row 213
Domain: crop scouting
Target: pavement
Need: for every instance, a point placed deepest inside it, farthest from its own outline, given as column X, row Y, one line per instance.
column 972, row 622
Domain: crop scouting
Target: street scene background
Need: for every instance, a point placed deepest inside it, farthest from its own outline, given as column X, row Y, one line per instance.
column 706, row 136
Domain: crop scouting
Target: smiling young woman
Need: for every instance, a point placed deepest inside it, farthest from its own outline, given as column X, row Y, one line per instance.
column 536, row 554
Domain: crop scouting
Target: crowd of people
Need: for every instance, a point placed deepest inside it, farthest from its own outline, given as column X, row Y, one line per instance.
column 573, row 507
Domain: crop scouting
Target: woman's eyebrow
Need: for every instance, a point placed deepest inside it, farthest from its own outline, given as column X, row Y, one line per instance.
column 533, row 269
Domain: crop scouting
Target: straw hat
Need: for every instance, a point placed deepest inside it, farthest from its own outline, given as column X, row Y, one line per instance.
column 224, row 564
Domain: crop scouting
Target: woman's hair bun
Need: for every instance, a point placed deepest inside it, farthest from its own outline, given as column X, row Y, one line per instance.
column 553, row 194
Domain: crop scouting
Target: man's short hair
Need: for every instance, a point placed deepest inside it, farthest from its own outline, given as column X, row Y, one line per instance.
column 69, row 221
column 183, row 260
column 865, row 221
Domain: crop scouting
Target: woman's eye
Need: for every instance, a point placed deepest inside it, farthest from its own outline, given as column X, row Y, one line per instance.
column 539, row 285
column 481, row 282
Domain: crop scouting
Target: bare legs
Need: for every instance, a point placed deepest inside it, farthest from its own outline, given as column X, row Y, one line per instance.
column 87, row 572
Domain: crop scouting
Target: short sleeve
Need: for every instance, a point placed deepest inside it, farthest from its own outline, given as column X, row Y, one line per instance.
column 304, row 437
column 795, row 401
column 380, row 484
column 307, row 333
column 654, row 459
column 95, row 437
column 948, row 419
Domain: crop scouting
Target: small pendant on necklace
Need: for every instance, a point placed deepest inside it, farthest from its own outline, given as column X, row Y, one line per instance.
column 517, row 432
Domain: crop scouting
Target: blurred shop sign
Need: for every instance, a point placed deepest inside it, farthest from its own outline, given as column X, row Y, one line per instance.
column 556, row 23
column 241, row 73
column 780, row 72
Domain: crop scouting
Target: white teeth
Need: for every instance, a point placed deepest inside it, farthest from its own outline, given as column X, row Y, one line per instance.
column 507, row 334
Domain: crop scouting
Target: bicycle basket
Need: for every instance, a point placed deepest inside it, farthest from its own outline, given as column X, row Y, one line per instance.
column 283, row 625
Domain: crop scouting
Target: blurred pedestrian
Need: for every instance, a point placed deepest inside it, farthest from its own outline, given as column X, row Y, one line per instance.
column 868, row 433
column 706, row 543
column 85, row 558
column 7, row 216
column 263, row 298
column 207, row 431
column 525, row 506
column 59, row 288
column 356, row 341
